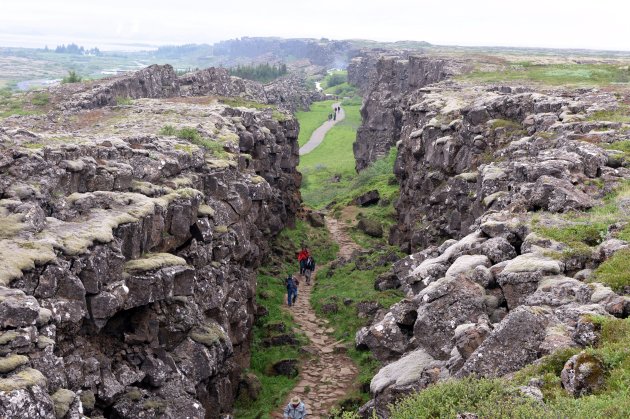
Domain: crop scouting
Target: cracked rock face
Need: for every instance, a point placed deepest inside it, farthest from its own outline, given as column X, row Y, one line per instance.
column 128, row 255
column 481, row 169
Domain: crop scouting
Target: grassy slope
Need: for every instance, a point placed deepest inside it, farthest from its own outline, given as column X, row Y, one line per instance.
column 309, row 121
column 271, row 294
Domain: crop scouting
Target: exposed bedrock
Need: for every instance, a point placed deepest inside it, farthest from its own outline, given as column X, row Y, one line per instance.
column 161, row 81
column 128, row 259
column 483, row 172
column 386, row 81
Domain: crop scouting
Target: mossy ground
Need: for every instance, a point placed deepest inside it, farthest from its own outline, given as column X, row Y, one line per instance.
column 555, row 74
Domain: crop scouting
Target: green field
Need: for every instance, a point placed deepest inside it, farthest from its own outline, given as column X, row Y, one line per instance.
column 334, row 157
column 556, row 74
column 310, row 120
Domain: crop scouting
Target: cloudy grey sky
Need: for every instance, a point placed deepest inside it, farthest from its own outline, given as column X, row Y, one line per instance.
column 601, row 24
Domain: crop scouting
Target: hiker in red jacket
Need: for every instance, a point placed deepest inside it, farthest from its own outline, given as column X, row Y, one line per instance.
column 302, row 256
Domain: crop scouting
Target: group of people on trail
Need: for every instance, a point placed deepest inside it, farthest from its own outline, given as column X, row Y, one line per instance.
column 307, row 266
column 333, row 115
column 296, row 408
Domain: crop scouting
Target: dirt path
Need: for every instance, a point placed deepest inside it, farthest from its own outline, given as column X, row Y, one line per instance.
column 327, row 376
column 318, row 135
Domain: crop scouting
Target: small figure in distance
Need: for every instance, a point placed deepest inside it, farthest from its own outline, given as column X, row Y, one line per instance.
column 335, row 117
column 329, row 116
column 292, row 289
column 295, row 409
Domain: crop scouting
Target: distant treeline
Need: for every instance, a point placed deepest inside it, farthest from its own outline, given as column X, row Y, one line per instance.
column 76, row 49
column 261, row 72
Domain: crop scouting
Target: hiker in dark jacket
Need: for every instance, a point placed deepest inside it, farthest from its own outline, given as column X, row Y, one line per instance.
column 309, row 268
column 292, row 289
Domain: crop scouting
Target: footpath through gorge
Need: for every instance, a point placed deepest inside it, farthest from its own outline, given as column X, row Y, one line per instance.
column 328, row 374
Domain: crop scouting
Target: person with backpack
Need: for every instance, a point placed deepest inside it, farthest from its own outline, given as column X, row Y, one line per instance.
column 292, row 284
column 309, row 269
column 302, row 256
column 295, row 409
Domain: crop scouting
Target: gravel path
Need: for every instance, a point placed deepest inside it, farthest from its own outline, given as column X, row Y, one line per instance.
column 318, row 135
column 329, row 374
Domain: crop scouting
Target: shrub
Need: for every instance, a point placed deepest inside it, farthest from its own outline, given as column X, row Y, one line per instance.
column 72, row 77
column 168, row 130
column 336, row 79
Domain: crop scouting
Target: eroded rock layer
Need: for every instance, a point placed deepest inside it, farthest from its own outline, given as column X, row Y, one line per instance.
column 128, row 254
column 385, row 82
column 486, row 173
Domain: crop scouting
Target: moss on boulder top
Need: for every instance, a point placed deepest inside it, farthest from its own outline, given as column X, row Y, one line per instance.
column 24, row 379
column 153, row 261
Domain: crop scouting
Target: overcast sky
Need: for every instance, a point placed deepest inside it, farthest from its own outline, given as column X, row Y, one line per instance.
column 600, row 24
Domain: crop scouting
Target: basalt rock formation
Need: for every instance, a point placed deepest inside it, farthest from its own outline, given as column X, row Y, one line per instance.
column 128, row 255
column 387, row 79
column 287, row 93
column 485, row 172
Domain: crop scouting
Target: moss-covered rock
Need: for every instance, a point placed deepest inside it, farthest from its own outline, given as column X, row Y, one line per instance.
column 88, row 399
column 153, row 261
column 582, row 374
column 62, row 400
column 11, row 362
column 208, row 334
column 23, row 379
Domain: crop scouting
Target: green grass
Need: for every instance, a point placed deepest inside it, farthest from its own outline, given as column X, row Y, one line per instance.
column 581, row 231
column 333, row 157
column 335, row 78
column 615, row 272
column 271, row 293
column 310, row 120
column 237, row 102
column 624, row 147
column 497, row 398
column 556, row 74
column 215, row 147
column 22, row 104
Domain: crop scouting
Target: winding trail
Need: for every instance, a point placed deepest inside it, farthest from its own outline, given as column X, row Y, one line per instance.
column 329, row 374
column 318, row 135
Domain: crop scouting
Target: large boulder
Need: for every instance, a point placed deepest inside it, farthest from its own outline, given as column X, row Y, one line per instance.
column 513, row 344
column 411, row 373
column 582, row 374
column 442, row 306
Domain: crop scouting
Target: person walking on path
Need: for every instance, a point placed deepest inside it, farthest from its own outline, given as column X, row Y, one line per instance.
column 292, row 289
column 309, row 268
column 295, row 409
column 302, row 256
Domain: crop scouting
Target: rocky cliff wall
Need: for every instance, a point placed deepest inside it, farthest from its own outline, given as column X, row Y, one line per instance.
column 388, row 81
column 485, row 172
column 128, row 257
column 287, row 93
